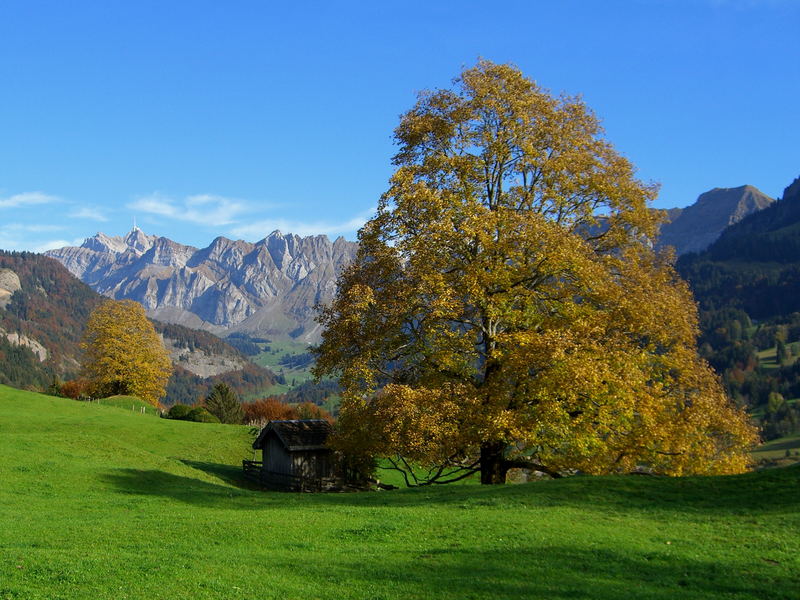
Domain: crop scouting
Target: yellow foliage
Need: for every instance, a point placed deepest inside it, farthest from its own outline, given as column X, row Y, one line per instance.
column 123, row 354
column 506, row 303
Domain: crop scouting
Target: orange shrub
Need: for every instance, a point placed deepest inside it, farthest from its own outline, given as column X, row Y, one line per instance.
column 77, row 388
column 269, row 409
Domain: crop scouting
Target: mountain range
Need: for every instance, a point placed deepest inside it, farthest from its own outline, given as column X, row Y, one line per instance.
column 738, row 248
column 268, row 288
column 43, row 313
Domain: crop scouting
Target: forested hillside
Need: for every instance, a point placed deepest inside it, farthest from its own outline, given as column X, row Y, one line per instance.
column 250, row 382
column 747, row 285
column 49, row 310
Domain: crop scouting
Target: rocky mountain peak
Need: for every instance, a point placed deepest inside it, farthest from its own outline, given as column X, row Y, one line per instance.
column 165, row 252
column 697, row 226
column 100, row 242
column 138, row 241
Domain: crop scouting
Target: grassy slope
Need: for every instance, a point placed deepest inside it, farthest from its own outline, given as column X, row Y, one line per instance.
column 100, row 502
column 769, row 358
column 776, row 449
column 131, row 403
column 271, row 360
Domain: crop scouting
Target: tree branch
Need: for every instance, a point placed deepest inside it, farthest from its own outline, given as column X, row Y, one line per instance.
column 524, row 463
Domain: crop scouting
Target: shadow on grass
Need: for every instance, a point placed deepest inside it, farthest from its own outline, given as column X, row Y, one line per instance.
column 230, row 474
column 766, row 492
column 177, row 487
column 430, row 565
column 556, row 572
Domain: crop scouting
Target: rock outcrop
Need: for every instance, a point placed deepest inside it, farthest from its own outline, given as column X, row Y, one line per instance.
column 268, row 288
column 9, row 283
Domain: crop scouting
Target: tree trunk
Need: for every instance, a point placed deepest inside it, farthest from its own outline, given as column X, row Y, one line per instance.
column 493, row 468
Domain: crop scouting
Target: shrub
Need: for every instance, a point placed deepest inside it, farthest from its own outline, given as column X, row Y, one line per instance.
column 269, row 409
column 76, row 389
column 179, row 411
column 309, row 410
column 201, row 415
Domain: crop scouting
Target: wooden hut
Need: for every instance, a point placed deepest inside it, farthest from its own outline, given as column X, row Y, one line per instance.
column 294, row 456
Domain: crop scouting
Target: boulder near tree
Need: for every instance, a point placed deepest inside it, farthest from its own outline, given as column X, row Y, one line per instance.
column 506, row 308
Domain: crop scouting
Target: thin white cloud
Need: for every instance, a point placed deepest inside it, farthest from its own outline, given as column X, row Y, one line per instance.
column 27, row 199
column 35, row 228
column 203, row 209
column 90, row 213
column 12, row 242
column 260, row 229
column 53, row 244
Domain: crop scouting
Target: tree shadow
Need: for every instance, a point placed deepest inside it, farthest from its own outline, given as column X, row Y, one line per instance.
column 766, row 492
column 791, row 444
column 470, row 567
column 772, row 491
column 560, row 572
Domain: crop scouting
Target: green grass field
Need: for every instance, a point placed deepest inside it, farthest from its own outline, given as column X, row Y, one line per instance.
column 769, row 358
column 777, row 449
column 131, row 403
column 102, row 502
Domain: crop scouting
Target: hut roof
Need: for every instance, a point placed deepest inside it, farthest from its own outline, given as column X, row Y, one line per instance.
column 305, row 434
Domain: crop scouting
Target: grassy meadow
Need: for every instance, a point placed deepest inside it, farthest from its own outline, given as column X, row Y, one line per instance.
column 99, row 502
column 785, row 450
column 271, row 357
column 131, row 403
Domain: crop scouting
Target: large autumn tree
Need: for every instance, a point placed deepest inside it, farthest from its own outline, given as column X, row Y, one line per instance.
column 123, row 354
column 506, row 308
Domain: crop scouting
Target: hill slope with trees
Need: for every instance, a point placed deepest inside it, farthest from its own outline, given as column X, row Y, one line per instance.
column 747, row 285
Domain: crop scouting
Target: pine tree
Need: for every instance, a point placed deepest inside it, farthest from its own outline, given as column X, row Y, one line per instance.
column 223, row 404
column 782, row 352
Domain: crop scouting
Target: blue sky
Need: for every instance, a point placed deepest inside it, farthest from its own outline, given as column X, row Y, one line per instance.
column 237, row 118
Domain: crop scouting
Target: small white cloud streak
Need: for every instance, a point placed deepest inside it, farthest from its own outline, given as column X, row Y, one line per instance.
column 11, row 242
column 27, row 199
column 203, row 209
column 261, row 229
column 17, row 236
column 31, row 228
column 87, row 212
column 53, row 244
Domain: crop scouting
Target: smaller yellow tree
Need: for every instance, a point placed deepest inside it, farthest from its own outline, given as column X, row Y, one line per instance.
column 123, row 352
